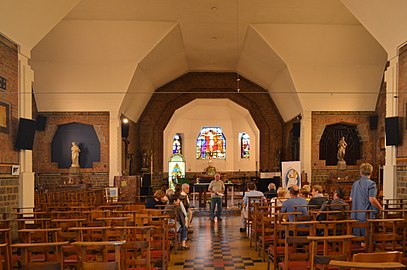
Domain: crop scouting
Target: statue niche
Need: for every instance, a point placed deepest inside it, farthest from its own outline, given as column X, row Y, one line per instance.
column 340, row 143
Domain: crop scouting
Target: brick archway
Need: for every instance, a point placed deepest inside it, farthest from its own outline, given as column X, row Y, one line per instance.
column 190, row 86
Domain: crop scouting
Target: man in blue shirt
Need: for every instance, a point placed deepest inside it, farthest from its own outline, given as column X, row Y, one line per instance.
column 363, row 197
column 294, row 203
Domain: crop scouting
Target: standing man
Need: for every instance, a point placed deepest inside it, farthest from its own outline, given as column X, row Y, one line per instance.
column 363, row 197
column 216, row 188
column 185, row 200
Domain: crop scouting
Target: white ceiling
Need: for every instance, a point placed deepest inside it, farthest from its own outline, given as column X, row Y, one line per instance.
column 98, row 55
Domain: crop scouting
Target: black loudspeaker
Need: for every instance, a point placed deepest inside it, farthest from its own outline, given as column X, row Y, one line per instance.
column 392, row 130
column 373, row 120
column 25, row 134
column 146, row 182
column 41, row 122
column 297, row 129
column 125, row 130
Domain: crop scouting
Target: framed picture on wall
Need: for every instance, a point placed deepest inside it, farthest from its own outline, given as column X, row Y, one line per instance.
column 4, row 117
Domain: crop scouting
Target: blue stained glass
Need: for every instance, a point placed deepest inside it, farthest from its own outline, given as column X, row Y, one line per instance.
column 245, row 145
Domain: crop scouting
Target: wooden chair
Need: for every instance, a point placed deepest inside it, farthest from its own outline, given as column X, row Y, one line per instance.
column 250, row 212
column 260, row 210
column 325, row 248
column 136, row 252
column 376, row 260
column 296, row 248
column 384, row 235
column 5, row 248
column 50, row 254
column 102, row 263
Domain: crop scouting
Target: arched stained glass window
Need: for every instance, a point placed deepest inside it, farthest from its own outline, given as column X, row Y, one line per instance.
column 211, row 144
column 244, row 145
column 176, row 169
column 177, row 144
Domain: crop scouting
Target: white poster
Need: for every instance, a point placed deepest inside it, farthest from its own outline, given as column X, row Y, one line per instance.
column 291, row 173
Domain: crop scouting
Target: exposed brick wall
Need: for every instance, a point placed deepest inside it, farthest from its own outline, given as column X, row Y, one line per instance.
column 46, row 170
column 9, row 71
column 402, row 103
column 380, row 111
column 287, row 154
column 191, row 86
column 321, row 172
column 402, row 149
column 8, row 155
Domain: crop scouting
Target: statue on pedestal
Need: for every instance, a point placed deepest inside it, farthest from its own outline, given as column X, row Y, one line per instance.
column 75, row 150
column 341, row 154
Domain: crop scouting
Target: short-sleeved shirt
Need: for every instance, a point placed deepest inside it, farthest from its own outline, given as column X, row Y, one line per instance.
column 289, row 206
column 362, row 189
column 216, row 186
column 251, row 193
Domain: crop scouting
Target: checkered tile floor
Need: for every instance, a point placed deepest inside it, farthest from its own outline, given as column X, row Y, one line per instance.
column 217, row 245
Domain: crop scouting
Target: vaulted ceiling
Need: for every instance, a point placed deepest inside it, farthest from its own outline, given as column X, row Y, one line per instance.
column 98, row 55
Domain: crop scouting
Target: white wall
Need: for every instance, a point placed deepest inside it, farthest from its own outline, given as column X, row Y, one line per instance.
column 223, row 113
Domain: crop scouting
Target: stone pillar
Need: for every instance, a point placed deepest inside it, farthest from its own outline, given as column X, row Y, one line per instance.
column 115, row 147
column 390, row 167
column 26, row 179
column 306, row 144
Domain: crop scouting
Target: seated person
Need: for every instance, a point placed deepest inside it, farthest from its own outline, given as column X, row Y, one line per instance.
column 281, row 197
column 317, row 197
column 271, row 193
column 294, row 203
column 158, row 199
column 252, row 192
column 337, row 204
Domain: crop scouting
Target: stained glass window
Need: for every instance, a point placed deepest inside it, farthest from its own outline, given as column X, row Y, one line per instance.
column 211, row 144
column 176, row 169
column 244, row 145
column 177, row 144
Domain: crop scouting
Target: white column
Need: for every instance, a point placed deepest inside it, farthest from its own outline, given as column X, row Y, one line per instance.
column 306, row 143
column 115, row 147
column 26, row 179
column 390, row 169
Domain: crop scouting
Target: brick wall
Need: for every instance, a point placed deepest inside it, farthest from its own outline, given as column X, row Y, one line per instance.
column 9, row 71
column 191, row 86
column 402, row 149
column 8, row 155
column 321, row 172
column 48, row 175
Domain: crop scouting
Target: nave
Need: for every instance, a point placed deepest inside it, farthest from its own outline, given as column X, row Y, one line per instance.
column 217, row 245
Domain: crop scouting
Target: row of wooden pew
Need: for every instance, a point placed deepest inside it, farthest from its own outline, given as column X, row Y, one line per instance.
column 114, row 236
column 302, row 243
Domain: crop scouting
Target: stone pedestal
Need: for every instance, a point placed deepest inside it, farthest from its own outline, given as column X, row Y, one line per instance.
column 341, row 165
column 73, row 177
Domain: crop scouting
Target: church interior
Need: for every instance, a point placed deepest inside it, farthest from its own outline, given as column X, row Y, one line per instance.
column 105, row 102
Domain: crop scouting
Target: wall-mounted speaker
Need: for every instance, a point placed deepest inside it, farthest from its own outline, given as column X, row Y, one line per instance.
column 41, row 122
column 25, row 134
column 392, row 130
column 125, row 130
column 373, row 121
column 297, row 129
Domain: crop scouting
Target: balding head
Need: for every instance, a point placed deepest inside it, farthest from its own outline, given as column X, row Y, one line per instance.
column 294, row 190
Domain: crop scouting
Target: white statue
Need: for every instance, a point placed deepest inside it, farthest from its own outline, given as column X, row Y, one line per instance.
column 341, row 149
column 75, row 155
